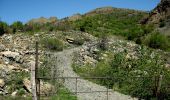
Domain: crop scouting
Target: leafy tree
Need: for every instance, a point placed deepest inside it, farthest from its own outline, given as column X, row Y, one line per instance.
column 3, row 28
column 17, row 26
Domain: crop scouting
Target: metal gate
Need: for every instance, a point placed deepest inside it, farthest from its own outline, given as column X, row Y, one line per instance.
column 42, row 75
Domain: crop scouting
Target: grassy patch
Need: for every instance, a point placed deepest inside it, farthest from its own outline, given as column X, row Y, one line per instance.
column 52, row 44
column 63, row 94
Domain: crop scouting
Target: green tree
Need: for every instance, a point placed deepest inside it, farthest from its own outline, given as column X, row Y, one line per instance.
column 3, row 28
column 17, row 26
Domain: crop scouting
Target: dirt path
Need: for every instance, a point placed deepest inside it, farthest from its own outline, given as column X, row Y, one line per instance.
column 63, row 62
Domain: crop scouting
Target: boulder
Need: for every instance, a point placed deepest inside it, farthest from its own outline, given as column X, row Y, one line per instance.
column 9, row 68
column 12, row 55
column 2, row 83
column 14, row 93
column 2, row 47
column 45, row 87
column 70, row 40
column 27, row 84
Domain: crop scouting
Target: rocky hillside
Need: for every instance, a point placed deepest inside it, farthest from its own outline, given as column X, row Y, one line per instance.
column 17, row 55
column 160, row 16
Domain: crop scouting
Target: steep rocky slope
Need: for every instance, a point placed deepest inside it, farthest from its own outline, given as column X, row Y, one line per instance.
column 160, row 16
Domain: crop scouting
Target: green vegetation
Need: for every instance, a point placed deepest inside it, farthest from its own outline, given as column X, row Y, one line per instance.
column 63, row 94
column 52, row 44
column 15, row 81
column 118, row 23
column 15, row 98
column 157, row 40
column 138, row 77
column 121, row 22
column 17, row 26
column 3, row 28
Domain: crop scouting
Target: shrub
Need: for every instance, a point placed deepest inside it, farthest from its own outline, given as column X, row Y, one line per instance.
column 103, row 44
column 157, row 41
column 3, row 28
column 52, row 44
column 79, row 41
column 162, row 23
column 135, row 33
column 17, row 26
column 15, row 81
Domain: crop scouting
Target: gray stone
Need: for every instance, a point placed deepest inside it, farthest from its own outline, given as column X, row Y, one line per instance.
column 2, row 47
column 2, row 83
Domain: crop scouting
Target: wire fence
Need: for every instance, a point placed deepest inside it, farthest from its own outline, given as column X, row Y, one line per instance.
column 48, row 72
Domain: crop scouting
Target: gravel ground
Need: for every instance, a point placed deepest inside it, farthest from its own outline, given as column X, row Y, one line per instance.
column 63, row 62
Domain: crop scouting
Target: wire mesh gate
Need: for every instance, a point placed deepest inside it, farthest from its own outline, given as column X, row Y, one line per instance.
column 44, row 74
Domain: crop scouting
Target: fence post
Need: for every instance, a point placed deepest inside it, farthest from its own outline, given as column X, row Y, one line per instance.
column 159, row 86
column 76, row 86
column 36, row 73
column 107, row 89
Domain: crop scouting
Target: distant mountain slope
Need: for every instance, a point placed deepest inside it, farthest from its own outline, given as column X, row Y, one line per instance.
column 107, row 10
column 43, row 20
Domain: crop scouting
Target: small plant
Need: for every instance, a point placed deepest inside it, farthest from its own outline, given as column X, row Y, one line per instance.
column 79, row 41
column 15, row 81
column 21, row 92
column 52, row 44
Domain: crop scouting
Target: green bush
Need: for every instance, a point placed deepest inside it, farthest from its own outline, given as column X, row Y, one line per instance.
column 52, row 44
column 17, row 26
column 4, row 28
column 78, row 41
column 161, row 23
column 104, row 39
column 157, row 41
column 15, row 81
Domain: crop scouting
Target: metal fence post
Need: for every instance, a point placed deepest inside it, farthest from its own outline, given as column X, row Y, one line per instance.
column 76, row 86
column 36, row 73
column 107, row 89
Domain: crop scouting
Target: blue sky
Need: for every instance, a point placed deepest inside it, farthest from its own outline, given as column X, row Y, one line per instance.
column 24, row 10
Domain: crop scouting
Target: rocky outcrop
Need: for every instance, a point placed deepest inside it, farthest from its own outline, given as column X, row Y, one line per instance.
column 75, row 17
column 43, row 20
column 160, row 17
column 159, row 13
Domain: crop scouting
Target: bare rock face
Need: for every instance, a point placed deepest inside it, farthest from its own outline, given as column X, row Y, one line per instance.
column 161, row 12
column 75, row 17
